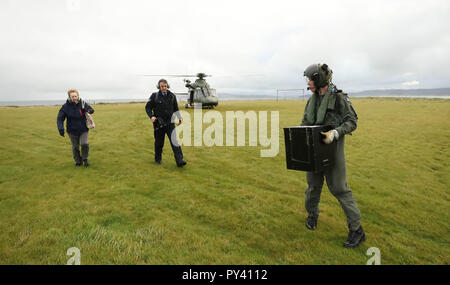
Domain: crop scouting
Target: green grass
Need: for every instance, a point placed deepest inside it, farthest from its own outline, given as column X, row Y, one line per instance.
column 228, row 205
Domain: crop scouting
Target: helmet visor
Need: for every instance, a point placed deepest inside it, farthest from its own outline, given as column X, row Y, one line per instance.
column 312, row 72
column 313, row 77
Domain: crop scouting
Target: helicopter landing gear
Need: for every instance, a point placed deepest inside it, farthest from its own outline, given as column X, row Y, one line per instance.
column 192, row 106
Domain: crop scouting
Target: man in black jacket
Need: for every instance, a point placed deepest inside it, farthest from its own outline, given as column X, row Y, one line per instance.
column 160, row 108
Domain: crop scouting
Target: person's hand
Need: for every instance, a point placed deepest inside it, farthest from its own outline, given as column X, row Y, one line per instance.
column 180, row 122
column 330, row 136
column 153, row 119
column 61, row 133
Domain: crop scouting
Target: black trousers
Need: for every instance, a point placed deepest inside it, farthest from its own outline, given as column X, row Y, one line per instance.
column 160, row 134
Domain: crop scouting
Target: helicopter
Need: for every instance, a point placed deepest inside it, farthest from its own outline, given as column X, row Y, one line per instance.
column 199, row 92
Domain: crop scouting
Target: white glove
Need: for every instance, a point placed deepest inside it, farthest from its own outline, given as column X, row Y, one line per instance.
column 330, row 136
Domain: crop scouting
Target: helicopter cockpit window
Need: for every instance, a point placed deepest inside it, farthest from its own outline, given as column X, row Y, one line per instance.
column 203, row 92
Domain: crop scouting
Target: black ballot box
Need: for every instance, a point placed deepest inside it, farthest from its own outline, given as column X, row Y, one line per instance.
column 305, row 149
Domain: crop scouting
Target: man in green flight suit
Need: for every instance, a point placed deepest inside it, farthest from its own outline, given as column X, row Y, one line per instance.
column 330, row 106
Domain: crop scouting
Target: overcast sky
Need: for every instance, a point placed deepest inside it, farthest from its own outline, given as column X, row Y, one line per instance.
column 103, row 47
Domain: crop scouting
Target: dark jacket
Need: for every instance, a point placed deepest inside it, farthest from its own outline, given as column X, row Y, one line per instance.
column 76, row 119
column 162, row 107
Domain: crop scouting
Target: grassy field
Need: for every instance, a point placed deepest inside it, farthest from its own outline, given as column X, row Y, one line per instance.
column 228, row 205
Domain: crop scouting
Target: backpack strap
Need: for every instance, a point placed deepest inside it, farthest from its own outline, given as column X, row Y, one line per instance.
column 156, row 96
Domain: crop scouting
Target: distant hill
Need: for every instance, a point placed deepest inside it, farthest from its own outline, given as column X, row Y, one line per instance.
column 404, row 92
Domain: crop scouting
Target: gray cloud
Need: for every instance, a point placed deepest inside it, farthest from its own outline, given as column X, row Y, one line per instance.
column 104, row 47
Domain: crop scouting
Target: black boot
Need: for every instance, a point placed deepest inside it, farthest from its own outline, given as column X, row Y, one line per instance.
column 85, row 151
column 77, row 156
column 355, row 238
column 181, row 163
column 85, row 154
column 178, row 155
column 311, row 222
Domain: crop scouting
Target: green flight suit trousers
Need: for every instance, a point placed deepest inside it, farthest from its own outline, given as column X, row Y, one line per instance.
column 337, row 183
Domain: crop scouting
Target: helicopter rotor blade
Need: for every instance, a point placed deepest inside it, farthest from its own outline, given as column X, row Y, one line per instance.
column 205, row 75
column 240, row 75
column 170, row 75
column 179, row 75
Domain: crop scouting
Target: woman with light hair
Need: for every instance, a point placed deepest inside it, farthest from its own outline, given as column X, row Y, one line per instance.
column 74, row 110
